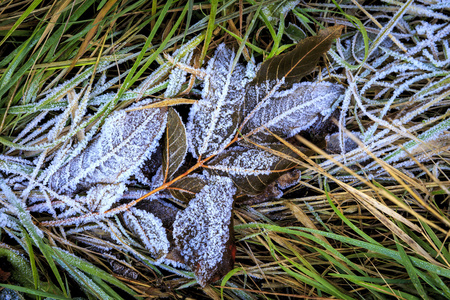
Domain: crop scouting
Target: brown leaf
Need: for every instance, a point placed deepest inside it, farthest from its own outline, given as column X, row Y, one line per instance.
column 175, row 144
column 300, row 61
column 186, row 188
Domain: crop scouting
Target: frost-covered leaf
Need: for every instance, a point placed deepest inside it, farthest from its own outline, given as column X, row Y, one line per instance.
column 149, row 229
column 186, row 188
column 251, row 170
column 202, row 231
column 175, row 144
column 213, row 120
column 288, row 112
column 101, row 197
column 125, row 141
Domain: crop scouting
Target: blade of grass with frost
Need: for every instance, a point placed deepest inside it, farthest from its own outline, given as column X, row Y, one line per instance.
column 159, row 73
column 15, row 167
column 35, row 233
column 96, row 100
column 37, row 293
column 430, row 134
column 383, row 34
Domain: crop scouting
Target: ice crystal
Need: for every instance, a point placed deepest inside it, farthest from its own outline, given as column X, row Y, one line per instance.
column 202, row 229
column 126, row 139
column 149, row 229
column 214, row 119
column 288, row 112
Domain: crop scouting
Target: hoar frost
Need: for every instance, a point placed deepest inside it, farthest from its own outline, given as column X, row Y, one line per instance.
column 202, row 229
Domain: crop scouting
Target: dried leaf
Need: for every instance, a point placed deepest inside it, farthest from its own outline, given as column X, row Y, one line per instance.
column 251, row 170
column 186, row 188
column 288, row 112
column 213, row 120
column 125, row 141
column 299, row 62
column 202, row 231
column 175, row 144
column 149, row 229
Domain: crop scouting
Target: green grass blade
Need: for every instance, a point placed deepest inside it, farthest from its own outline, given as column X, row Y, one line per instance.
column 24, row 15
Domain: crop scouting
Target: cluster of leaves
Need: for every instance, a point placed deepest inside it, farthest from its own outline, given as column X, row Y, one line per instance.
column 153, row 184
column 87, row 175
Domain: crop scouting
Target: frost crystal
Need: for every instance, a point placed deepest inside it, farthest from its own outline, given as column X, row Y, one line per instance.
column 214, row 119
column 126, row 139
column 288, row 112
column 101, row 197
column 149, row 229
column 240, row 161
column 201, row 231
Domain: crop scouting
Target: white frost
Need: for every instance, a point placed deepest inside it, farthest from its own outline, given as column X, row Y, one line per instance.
column 202, row 229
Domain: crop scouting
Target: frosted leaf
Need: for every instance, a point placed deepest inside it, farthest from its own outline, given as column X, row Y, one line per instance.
column 101, row 197
column 149, row 229
column 213, row 120
column 125, row 141
column 251, row 169
column 288, row 112
column 202, row 230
